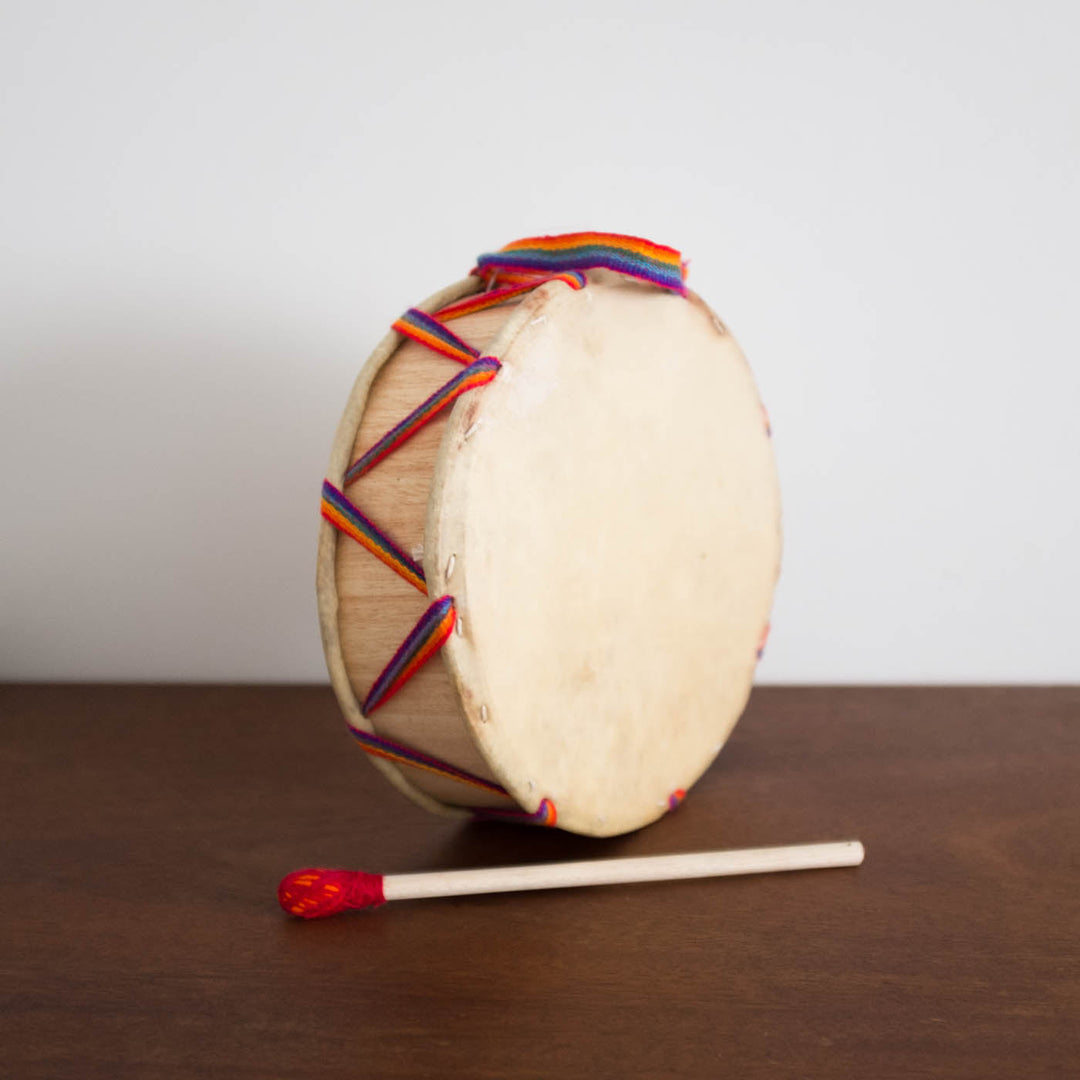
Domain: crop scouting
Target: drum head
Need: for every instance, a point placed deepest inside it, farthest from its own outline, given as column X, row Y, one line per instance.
column 606, row 515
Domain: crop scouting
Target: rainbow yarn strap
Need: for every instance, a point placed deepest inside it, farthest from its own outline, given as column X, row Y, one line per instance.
column 424, row 640
column 544, row 814
column 347, row 518
column 508, row 273
column 642, row 259
column 405, row 755
column 426, row 329
column 522, row 283
column 763, row 641
column 476, row 374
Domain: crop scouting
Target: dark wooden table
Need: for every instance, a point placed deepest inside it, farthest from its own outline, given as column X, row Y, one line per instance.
column 144, row 830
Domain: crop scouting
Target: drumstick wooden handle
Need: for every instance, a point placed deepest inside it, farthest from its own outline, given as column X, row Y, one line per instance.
column 312, row 894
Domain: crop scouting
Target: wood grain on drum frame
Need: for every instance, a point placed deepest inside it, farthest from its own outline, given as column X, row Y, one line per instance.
column 365, row 611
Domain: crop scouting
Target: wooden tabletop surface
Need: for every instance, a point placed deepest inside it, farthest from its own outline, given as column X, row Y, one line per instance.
column 144, row 830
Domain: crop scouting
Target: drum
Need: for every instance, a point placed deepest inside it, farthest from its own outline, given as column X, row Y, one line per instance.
column 551, row 537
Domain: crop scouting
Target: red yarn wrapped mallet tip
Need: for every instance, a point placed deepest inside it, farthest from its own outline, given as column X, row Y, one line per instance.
column 315, row 893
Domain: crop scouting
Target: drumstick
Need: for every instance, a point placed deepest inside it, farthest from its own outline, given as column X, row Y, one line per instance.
column 312, row 894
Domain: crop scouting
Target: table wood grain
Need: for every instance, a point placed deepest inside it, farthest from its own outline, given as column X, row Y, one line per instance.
column 145, row 829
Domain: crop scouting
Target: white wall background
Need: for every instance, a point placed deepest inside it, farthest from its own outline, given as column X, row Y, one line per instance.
column 212, row 210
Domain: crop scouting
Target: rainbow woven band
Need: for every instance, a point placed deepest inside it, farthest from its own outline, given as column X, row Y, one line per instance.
column 476, row 374
column 543, row 815
column 642, row 259
column 481, row 301
column 424, row 328
column 347, row 518
column 405, row 755
column 763, row 640
column 675, row 798
column 424, row 641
